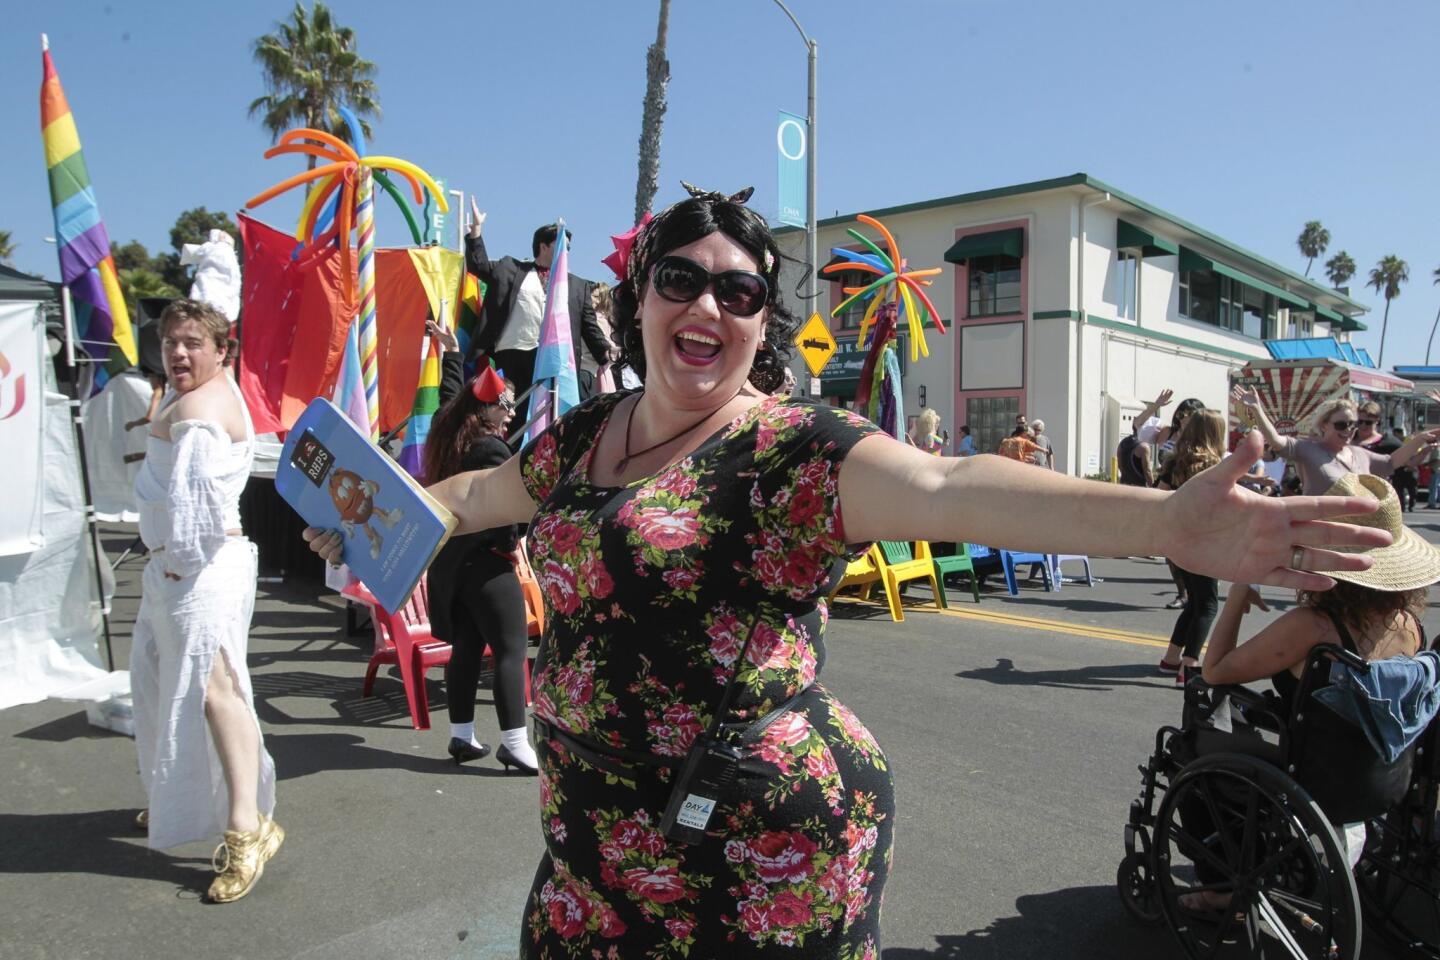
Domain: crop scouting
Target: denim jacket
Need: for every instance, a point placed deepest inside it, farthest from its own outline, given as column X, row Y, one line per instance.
column 1393, row 702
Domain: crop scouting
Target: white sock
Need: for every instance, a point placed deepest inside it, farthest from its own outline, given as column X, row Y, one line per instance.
column 464, row 731
column 519, row 746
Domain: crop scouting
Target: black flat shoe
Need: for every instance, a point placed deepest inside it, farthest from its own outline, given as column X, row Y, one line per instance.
column 508, row 760
column 462, row 751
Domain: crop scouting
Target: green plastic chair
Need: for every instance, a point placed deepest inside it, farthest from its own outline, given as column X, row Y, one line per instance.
column 959, row 562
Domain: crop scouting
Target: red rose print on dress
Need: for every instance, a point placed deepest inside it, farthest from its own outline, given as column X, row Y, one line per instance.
column 558, row 582
column 661, row 885
column 782, row 856
column 667, row 529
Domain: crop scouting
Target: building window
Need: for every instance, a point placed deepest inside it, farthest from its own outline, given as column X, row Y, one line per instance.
column 994, row 285
column 1125, row 298
column 991, row 420
column 1200, row 297
column 853, row 314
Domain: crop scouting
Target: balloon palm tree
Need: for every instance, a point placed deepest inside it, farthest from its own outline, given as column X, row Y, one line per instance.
column 1433, row 325
column 1386, row 277
column 1340, row 268
column 1312, row 242
column 311, row 69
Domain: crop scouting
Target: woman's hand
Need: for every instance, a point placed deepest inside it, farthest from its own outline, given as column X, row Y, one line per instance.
column 1218, row 529
column 447, row 339
column 477, row 219
column 1246, row 597
column 327, row 543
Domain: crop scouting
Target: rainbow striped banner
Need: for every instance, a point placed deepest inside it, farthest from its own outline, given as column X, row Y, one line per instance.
column 369, row 340
column 101, row 322
column 427, row 401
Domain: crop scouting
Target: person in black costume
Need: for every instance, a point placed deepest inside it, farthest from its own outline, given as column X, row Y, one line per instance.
column 475, row 597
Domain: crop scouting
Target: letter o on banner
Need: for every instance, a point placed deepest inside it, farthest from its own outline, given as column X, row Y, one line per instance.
column 790, row 122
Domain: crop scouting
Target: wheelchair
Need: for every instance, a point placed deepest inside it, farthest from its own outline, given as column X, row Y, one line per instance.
column 1250, row 795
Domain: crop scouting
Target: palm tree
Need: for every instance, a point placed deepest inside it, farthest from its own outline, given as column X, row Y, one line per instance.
column 657, row 76
column 1340, row 268
column 1386, row 277
column 7, row 246
column 1312, row 242
column 311, row 68
column 1433, row 325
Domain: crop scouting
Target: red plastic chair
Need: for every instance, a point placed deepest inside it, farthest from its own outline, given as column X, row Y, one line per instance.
column 403, row 638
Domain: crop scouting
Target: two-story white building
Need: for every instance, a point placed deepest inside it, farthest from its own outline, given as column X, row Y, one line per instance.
column 1073, row 302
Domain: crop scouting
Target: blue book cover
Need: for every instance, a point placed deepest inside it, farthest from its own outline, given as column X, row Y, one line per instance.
column 337, row 479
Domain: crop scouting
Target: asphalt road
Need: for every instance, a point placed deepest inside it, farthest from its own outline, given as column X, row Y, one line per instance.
column 1014, row 745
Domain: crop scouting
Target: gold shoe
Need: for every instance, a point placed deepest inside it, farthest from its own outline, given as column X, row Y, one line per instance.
column 142, row 820
column 243, row 860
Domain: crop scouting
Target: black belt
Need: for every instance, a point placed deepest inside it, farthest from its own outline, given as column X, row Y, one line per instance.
column 615, row 760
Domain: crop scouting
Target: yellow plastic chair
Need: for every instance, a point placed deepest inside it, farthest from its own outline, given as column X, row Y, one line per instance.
column 889, row 563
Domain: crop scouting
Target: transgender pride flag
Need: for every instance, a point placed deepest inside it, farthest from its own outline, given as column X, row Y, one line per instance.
column 349, row 385
column 555, row 381
column 100, row 320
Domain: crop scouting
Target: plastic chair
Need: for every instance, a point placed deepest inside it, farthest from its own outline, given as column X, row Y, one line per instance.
column 403, row 638
column 1013, row 558
column 959, row 562
column 863, row 571
column 898, row 565
column 534, row 599
column 1059, row 558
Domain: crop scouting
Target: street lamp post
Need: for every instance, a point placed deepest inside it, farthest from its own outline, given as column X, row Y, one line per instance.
column 810, row 235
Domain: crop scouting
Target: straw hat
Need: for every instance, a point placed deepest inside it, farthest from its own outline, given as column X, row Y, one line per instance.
column 1409, row 563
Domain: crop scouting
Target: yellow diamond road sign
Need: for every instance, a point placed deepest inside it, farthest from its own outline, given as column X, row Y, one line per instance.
column 816, row 344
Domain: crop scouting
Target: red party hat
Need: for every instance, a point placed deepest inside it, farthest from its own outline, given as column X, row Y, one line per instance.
column 487, row 386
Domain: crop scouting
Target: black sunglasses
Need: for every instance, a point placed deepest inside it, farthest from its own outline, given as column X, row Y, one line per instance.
column 506, row 405
column 1365, row 423
column 681, row 280
column 1342, row 426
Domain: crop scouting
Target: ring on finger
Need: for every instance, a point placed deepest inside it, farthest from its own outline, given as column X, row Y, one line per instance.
column 1297, row 558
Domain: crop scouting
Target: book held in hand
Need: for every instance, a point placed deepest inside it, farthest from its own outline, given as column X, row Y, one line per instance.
column 336, row 479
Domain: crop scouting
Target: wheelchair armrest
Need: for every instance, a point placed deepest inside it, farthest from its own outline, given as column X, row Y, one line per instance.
column 1353, row 661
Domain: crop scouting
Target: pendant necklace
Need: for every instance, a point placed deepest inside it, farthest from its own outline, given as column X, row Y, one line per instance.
column 624, row 461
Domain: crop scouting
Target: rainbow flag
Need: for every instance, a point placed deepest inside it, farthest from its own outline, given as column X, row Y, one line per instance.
column 467, row 311
column 101, row 322
column 427, row 401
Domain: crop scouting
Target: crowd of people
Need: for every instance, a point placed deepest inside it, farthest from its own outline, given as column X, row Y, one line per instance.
column 699, row 784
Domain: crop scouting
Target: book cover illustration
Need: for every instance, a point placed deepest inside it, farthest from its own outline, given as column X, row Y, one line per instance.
column 335, row 478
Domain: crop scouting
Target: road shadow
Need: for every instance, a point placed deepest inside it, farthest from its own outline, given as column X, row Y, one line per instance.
column 102, row 842
column 1078, row 923
column 74, row 726
column 303, row 754
column 1067, row 601
column 349, row 706
column 1098, row 677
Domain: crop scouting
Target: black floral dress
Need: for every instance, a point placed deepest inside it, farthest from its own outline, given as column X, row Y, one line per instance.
column 652, row 589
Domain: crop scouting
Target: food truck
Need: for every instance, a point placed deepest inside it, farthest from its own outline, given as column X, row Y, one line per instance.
column 1292, row 391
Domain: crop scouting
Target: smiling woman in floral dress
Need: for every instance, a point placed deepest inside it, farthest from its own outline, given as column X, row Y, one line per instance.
column 686, row 535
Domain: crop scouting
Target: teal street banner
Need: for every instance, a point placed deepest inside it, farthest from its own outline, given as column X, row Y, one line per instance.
column 791, row 143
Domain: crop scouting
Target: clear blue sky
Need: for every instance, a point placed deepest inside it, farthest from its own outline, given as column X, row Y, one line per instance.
column 1246, row 118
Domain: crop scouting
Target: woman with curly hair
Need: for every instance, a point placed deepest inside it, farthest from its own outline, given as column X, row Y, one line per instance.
column 699, row 785
column 1198, row 447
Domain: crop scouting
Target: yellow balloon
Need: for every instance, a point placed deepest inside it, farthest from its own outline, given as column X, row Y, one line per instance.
column 405, row 166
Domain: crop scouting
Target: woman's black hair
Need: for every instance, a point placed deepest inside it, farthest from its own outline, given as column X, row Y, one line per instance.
column 1182, row 409
column 684, row 223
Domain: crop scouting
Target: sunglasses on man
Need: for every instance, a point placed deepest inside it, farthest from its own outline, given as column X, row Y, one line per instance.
column 1365, row 423
column 681, row 280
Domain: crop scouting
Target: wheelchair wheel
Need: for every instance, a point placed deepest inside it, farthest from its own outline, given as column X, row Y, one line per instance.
column 1137, row 889
column 1235, row 824
column 1399, row 883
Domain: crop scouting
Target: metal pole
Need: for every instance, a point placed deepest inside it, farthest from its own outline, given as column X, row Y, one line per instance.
column 459, row 196
column 812, row 284
column 811, row 281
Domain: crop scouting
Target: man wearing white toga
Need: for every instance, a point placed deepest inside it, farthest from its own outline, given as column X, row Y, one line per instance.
column 202, row 758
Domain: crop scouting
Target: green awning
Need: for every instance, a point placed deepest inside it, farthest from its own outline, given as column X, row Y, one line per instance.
column 1337, row 319
column 1129, row 236
column 1190, row 260
column 1008, row 242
